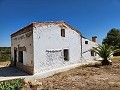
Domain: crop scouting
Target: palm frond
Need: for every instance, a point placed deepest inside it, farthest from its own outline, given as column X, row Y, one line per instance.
column 105, row 51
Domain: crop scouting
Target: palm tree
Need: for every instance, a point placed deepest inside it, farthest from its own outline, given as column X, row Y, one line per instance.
column 105, row 52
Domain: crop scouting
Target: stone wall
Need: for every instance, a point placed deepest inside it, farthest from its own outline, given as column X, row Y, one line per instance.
column 27, row 69
column 23, row 42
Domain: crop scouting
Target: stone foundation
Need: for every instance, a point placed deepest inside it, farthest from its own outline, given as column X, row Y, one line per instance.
column 11, row 63
column 27, row 69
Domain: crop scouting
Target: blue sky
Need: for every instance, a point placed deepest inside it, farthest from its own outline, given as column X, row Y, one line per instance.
column 91, row 17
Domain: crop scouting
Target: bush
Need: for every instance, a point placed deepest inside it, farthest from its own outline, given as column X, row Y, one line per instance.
column 5, row 53
column 15, row 84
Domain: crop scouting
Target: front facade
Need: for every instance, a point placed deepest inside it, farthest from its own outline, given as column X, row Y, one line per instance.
column 45, row 46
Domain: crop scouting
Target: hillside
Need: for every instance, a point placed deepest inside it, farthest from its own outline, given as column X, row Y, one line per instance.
column 5, row 53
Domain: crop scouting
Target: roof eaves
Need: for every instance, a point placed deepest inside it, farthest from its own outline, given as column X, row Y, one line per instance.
column 73, row 28
column 22, row 30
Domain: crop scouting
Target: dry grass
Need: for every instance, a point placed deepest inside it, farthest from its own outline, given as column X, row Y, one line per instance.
column 6, row 63
column 89, row 77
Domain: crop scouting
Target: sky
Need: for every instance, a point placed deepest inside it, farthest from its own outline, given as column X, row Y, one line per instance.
column 90, row 17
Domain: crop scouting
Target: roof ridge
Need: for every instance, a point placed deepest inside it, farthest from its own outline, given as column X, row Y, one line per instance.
column 49, row 21
column 45, row 22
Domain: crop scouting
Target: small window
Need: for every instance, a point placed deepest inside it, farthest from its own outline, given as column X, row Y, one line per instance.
column 21, row 56
column 66, row 54
column 92, row 53
column 86, row 42
column 63, row 32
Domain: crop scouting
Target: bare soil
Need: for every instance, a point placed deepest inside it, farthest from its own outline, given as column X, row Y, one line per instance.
column 89, row 77
column 4, row 64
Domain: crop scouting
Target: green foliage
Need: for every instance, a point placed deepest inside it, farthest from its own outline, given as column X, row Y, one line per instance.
column 15, row 84
column 5, row 53
column 113, row 38
column 105, row 51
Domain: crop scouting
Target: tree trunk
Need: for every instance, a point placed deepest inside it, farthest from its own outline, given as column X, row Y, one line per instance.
column 106, row 62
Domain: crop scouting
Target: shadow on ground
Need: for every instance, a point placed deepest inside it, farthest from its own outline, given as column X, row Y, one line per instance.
column 11, row 71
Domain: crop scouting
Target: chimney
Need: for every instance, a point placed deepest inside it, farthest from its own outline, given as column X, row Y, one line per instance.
column 94, row 39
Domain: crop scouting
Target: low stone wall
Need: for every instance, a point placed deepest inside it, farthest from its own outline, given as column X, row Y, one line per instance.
column 27, row 69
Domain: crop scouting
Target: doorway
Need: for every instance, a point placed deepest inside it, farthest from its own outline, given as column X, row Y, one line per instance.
column 21, row 56
column 15, row 57
column 66, row 54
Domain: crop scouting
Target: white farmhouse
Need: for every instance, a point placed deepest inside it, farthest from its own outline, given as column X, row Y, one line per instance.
column 45, row 46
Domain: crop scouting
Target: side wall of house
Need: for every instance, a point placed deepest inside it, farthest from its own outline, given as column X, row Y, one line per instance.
column 49, row 47
column 86, row 50
column 24, row 43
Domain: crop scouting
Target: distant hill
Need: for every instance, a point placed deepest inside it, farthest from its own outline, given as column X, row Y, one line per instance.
column 5, row 53
column 5, row 48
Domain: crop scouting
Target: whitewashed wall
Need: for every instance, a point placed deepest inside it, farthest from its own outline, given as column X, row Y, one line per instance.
column 86, row 56
column 48, row 38
column 44, row 47
column 25, row 39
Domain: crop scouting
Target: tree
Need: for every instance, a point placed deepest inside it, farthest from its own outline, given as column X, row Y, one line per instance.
column 105, row 51
column 113, row 38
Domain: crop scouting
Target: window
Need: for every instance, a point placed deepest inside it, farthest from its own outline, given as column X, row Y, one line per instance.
column 21, row 56
column 93, row 53
column 63, row 32
column 86, row 42
column 66, row 54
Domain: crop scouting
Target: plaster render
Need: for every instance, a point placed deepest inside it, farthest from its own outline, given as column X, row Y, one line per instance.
column 44, row 47
column 23, row 40
column 49, row 46
column 86, row 50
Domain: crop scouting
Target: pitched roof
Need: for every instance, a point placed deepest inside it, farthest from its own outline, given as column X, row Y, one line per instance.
column 35, row 24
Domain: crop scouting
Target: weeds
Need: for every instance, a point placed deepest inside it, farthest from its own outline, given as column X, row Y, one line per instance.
column 15, row 84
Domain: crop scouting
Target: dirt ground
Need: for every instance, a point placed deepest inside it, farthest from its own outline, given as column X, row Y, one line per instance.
column 7, row 72
column 90, row 77
column 4, row 64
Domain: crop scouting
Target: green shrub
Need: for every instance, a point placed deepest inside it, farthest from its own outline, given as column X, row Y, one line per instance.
column 15, row 84
column 5, row 53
